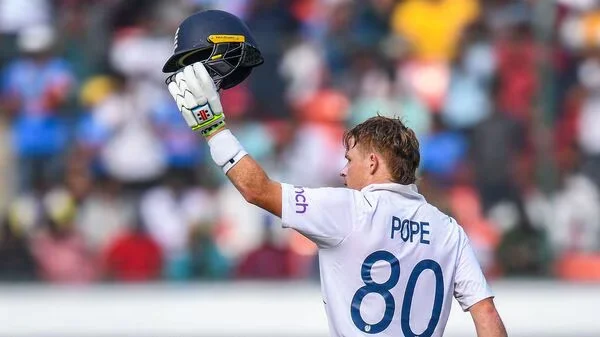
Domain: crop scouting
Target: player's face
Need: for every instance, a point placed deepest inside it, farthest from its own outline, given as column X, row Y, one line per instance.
column 356, row 171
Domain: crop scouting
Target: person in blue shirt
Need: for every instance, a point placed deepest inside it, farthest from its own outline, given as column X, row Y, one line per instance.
column 34, row 89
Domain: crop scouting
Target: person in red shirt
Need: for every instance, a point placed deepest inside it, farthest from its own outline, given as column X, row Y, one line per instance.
column 133, row 257
column 267, row 261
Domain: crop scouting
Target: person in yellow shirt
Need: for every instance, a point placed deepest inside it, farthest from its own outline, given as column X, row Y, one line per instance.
column 433, row 27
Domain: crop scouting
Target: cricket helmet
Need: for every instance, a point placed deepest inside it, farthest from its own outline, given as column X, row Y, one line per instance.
column 221, row 41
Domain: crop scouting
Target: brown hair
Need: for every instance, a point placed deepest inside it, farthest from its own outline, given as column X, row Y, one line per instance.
column 393, row 140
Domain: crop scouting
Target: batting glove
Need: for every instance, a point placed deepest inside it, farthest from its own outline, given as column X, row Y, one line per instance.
column 197, row 98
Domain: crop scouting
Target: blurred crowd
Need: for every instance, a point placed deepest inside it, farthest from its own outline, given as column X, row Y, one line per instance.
column 101, row 180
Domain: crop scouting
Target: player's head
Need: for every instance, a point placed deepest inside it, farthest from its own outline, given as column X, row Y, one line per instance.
column 379, row 150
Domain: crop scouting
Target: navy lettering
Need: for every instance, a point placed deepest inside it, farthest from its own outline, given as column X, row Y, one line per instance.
column 415, row 231
column 396, row 225
column 423, row 232
column 402, row 231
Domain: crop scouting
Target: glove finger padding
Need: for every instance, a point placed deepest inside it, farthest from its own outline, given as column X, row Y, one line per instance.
column 208, row 87
column 192, row 81
column 179, row 100
column 197, row 98
column 176, row 93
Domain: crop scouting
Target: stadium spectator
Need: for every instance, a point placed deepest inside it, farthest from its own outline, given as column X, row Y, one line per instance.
column 170, row 212
column 270, row 260
column 433, row 27
column 60, row 251
column 105, row 213
column 132, row 256
column 125, row 114
column 498, row 146
column 35, row 89
column 207, row 259
column 16, row 261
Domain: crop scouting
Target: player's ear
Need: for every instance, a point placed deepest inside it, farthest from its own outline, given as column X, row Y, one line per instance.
column 373, row 163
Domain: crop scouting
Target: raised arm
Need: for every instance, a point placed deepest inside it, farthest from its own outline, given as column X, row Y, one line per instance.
column 255, row 186
column 487, row 320
column 198, row 100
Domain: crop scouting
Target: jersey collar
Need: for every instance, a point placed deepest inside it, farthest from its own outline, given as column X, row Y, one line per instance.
column 393, row 187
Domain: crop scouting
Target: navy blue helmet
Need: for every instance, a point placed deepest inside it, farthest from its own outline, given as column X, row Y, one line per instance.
column 221, row 41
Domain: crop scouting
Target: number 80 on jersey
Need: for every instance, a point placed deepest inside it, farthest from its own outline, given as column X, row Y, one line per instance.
column 383, row 289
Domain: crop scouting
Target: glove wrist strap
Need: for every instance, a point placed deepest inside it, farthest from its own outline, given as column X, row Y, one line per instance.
column 212, row 129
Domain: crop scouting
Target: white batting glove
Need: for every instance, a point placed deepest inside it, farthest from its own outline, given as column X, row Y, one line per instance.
column 197, row 98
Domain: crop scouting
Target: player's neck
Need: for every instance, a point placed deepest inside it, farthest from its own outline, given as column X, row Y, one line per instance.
column 380, row 178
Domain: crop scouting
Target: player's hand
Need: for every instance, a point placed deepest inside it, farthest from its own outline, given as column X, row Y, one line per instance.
column 197, row 98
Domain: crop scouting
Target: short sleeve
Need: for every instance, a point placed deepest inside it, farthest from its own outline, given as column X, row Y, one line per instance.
column 470, row 285
column 324, row 215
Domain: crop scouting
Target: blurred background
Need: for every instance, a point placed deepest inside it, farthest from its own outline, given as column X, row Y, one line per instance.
column 104, row 189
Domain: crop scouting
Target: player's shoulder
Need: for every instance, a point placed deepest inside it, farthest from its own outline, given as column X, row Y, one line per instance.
column 443, row 222
column 356, row 198
column 442, row 218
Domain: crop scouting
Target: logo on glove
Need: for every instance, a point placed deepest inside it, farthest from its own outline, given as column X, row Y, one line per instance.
column 203, row 114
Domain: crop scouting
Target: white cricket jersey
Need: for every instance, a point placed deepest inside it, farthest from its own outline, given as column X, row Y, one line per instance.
column 390, row 263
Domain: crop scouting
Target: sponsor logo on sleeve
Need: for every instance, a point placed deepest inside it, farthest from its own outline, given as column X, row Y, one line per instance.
column 301, row 203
